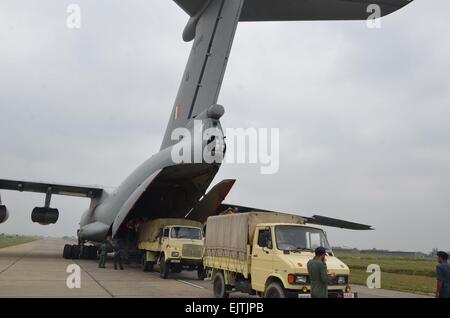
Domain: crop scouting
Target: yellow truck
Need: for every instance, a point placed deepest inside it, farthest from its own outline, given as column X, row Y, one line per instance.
column 266, row 254
column 173, row 244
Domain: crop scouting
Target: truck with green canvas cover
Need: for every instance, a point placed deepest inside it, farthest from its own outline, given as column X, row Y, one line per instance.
column 266, row 254
column 173, row 244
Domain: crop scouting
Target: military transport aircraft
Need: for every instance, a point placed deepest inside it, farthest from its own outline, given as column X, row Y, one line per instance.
column 160, row 187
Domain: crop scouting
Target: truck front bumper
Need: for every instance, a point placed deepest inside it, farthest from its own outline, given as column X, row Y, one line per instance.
column 186, row 262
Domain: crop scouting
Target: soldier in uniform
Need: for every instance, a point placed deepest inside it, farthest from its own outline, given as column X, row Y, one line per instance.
column 117, row 249
column 104, row 246
column 318, row 273
column 443, row 276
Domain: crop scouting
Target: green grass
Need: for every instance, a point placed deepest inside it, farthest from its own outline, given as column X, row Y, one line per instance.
column 11, row 240
column 397, row 273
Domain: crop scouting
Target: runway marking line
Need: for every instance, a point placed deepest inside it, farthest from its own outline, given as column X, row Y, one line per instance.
column 190, row 284
column 95, row 280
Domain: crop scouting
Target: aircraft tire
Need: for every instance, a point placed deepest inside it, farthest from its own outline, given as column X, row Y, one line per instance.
column 75, row 252
column 85, row 253
column 92, row 252
column 67, row 252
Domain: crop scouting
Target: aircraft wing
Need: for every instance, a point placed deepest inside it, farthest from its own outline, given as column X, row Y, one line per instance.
column 316, row 219
column 52, row 188
column 306, row 10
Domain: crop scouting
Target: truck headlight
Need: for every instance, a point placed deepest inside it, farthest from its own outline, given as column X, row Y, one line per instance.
column 175, row 254
column 342, row 280
column 301, row 279
column 297, row 279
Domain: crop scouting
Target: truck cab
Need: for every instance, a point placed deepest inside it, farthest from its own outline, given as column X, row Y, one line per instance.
column 279, row 258
column 176, row 248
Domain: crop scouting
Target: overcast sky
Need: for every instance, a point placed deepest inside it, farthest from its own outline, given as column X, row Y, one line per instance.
column 364, row 114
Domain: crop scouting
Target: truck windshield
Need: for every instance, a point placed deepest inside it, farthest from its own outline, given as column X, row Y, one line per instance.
column 186, row 233
column 299, row 238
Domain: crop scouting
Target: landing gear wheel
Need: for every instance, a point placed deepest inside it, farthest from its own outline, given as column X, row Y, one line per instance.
column 75, row 251
column 67, row 252
column 92, row 252
column 274, row 290
column 201, row 273
column 85, row 252
column 163, row 268
column 219, row 287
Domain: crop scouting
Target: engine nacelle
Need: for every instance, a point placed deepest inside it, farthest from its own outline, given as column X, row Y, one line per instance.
column 45, row 216
column 4, row 214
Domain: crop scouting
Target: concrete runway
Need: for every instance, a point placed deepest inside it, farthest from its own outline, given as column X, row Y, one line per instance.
column 37, row 269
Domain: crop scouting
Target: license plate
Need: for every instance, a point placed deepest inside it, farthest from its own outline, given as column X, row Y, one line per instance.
column 304, row 295
column 349, row 295
column 176, row 261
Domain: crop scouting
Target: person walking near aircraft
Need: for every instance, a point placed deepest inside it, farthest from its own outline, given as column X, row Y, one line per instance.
column 104, row 246
column 318, row 273
column 443, row 276
column 117, row 255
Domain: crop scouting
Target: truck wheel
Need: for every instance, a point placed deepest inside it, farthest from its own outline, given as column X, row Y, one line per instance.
column 67, row 252
column 144, row 263
column 163, row 268
column 219, row 287
column 201, row 273
column 274, row 290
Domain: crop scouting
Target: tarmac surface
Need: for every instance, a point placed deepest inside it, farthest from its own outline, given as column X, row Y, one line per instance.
column 37, row 269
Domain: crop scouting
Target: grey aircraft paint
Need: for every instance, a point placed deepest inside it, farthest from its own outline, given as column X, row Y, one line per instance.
column 160, row 188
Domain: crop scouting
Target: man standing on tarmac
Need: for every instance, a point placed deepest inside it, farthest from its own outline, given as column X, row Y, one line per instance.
column 318, row 273
column 104, row 247
column 117, row 248
column 443, row 276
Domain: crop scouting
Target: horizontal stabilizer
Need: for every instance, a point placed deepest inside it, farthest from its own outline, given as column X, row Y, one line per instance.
column 316, row 219
column 303, row 10
column 326, row 221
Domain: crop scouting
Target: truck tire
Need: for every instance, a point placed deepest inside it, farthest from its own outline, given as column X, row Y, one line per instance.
column 201, row 273
column 219, row 287
column 163, row 268
column 274, row 290
column 146, row 265
column 67, row 252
